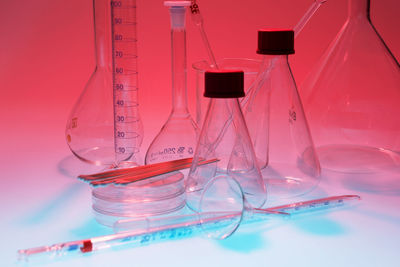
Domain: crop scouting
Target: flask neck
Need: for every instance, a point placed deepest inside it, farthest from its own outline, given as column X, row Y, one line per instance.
column 272, row 62
column 359, row 8
column 223, row 108
column 102, row 33
column 179, row 89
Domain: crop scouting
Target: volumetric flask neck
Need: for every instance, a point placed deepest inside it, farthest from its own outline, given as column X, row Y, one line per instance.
column 351, row 99
column 178, row 135
column 179, row 80
column 102, row 34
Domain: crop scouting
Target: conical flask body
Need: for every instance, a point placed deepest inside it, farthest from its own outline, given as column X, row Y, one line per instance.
column 280, row 132
column 352, row 99
column 224, row 136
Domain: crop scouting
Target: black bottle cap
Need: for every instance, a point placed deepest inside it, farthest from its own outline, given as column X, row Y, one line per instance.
column 275, row 42
column 224, row 84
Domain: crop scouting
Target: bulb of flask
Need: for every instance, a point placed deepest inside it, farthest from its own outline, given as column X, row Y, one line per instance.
column 91, row 127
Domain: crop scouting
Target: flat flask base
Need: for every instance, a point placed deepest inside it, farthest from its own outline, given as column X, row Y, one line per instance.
column 284, row 180
column 105, row 156
column 358, row 159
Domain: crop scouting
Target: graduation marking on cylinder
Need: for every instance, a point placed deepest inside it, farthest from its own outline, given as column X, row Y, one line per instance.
column 125, row 79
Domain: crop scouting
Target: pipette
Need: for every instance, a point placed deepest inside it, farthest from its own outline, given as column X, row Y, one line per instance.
column 184, row 226
column 197, row 19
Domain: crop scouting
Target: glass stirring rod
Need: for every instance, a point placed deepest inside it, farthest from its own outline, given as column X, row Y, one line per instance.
column 197, row 18
column 255, row 86
column 307, row 16
column 184, row 226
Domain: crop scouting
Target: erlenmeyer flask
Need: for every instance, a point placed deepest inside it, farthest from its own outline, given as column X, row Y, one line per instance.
column 224, row 136
column 104, row 126
column 276, row 121
column 177, row 138
column 352, row 99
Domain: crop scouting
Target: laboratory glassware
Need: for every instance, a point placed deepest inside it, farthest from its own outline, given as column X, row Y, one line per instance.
column 104, row 126
column 351, row 99
column 197, row 19
column 307, row 16
column 250, row 67
column 223, row 196
column 177, row 138
column 147, row 230
column 135, row 174
column 224, row 136
column 278, row 127
column 225, row 223
column 157, row 195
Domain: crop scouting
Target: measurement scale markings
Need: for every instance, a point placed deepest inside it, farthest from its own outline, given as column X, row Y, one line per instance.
column 124, row 23
column 128, row 122
column 124, row 7
column 127, row 57
column 127, row 73
column 126, row 104
column 131, row 55
column 131, row 90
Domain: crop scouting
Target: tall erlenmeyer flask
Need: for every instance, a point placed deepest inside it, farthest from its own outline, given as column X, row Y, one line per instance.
column 104, row 126
column 352, row 99
column 278, row 127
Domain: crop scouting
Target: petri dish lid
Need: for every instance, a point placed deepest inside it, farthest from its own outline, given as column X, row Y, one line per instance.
column 155, row 188
column 108, row 213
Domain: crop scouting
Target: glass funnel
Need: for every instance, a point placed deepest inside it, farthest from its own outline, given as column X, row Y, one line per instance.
column 177, row 138
column 351, row 99
column 104, row 126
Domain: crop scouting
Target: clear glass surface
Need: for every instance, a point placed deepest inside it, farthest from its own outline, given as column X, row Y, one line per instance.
column 224, row 136
column 161, row 194
column 177, row 138
column 351, row 99
column 250, row 67
column 279, row 131
column 104, row 126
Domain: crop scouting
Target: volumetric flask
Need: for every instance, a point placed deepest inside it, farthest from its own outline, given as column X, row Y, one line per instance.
column 276, row 121
column 177, row 138
column 352, row 99
column 104, row 126
column 224, row 136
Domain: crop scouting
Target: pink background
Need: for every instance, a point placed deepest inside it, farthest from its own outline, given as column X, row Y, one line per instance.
column 46, row 58
column 46, row 52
